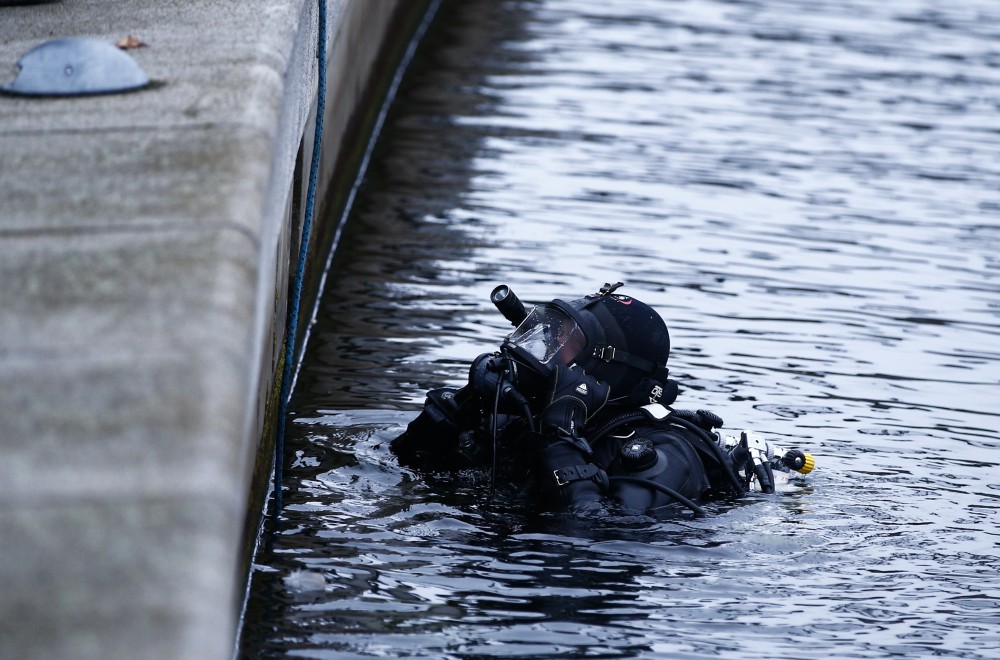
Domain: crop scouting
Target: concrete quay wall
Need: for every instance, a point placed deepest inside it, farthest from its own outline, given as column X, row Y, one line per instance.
column 146, row 241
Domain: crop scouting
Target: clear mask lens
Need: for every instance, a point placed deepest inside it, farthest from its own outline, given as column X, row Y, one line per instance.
column 549, row 335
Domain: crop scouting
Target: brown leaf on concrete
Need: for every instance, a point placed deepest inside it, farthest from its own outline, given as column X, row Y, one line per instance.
column 130, row 42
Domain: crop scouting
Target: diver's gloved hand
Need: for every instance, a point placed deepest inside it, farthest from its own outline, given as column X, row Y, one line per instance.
column 434, row 437
column 574, row 398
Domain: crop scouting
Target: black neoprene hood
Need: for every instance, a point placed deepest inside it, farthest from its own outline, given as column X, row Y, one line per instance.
column 626, row 339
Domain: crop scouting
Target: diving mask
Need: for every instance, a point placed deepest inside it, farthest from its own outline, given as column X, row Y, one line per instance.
column 549, row 336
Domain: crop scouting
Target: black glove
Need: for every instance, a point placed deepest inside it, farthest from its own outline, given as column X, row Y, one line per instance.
column 575, row 398
column 435, row 435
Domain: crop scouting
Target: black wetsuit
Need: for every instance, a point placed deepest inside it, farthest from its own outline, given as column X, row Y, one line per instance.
column 644, row 459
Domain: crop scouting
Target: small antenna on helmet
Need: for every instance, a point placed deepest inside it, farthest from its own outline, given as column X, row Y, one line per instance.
column 610, row 288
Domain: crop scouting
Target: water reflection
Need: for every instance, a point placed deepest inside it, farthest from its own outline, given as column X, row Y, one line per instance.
column 808, row 191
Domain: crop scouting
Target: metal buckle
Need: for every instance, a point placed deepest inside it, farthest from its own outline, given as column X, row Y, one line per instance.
column 606, row 353
column 559, row 481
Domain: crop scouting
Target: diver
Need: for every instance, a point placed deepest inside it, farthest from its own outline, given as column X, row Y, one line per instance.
column 574, row 410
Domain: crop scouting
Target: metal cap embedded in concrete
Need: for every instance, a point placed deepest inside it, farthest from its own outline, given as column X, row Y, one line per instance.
column 76, row 66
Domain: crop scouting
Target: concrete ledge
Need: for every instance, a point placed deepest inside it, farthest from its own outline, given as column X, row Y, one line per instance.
column 145, row 241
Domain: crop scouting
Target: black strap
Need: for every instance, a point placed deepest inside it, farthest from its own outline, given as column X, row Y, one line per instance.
column 612, row 354
column 567, row 475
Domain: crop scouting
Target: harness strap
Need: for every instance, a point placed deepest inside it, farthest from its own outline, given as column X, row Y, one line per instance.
column 612, row 354
column 567, row 475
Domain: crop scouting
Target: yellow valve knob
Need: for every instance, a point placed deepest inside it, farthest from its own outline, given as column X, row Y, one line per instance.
column 808, row 465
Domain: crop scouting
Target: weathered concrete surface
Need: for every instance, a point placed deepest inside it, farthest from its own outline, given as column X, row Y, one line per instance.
column 145, row 241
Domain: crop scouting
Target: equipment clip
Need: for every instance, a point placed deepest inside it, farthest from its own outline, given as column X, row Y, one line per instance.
column 606, row 353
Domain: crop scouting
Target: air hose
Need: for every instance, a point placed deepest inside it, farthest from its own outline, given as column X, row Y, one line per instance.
column 709, row 442
column 669, row 492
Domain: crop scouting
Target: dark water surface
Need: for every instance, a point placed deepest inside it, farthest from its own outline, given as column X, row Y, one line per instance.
column 809, row 192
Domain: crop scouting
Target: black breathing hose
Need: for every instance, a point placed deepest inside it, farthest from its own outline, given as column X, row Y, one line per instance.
column 493, row 429
column 615, row 422
column 738, row 488
column 669, row 492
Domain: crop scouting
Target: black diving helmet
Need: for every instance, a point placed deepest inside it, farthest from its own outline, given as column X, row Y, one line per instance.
column 616, row 339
